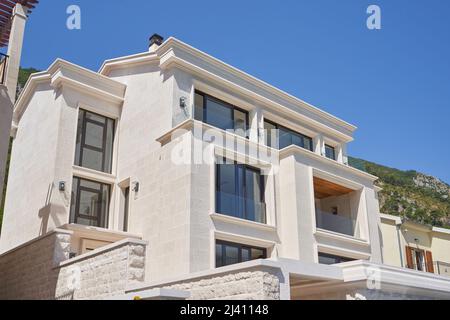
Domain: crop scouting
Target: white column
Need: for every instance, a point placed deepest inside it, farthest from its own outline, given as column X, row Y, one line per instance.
column 319, row 146
column 256, row 125
column 342, row 154
column 19, row 19
column 297, row 206
column 8, row 91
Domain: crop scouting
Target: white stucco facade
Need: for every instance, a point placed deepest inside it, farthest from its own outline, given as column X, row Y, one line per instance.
column 172, row 185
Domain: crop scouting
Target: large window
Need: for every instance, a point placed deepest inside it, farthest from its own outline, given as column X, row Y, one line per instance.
column 231, row 253
column 220, row 114
column 90, row 202
column 279, row 137
column 240, row 192
column 94, row 145
column 330, row 152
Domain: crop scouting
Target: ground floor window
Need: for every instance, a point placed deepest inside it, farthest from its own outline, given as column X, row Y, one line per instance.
column 89, row 203
column 325, row 258
column 228, row 253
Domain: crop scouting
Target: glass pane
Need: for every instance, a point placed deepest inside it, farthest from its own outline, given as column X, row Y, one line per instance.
column 126, row 208
column 109, row 145
column 253, row 195
column 198, row 107
column 90, row 184
column 94, row 135
column 95, row 117
column 218, row 255
column 219, row 115
column 297, row 140
column 103, row 219
column 79, row 137
column 89, row 203
column 231, row 255
column 307, row 142
column 92, row 159
column 240, row 191
column 73, row 199
column 258, row 254
column 270, row 135
column 329, row 152
column 87, row 222
column 226, row 190
column 240, row 123
column 246, row 254
column 285, row 138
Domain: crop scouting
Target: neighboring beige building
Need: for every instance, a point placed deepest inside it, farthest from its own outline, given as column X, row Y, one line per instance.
column 235, row 188
column 415, row 246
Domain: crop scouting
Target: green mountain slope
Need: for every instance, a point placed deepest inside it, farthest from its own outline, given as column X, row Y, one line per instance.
column 410, row 194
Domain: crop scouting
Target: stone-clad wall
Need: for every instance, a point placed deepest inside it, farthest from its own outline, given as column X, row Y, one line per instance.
column 41, row 269
column 102, row 273
column 28, row 271
column 243, row 285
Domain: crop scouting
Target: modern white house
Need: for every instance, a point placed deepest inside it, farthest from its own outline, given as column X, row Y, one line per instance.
column 222, row 185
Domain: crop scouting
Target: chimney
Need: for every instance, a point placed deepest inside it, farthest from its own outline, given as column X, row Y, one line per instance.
column 155, row 41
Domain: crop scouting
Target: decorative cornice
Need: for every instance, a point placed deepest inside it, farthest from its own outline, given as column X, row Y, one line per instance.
column 172, row 43
column 62, row 73
column 293, row 149
column 173, row 52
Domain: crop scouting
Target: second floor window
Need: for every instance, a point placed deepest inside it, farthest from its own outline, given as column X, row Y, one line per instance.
column 220, row 114
column 279, row 137
column 330, row 152
column 95, row 138
column 240, row 192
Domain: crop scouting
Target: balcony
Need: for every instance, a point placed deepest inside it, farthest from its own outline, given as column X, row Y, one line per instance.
column 3, row 64
column 336, row 207
column 437, row 267
column 335, row 223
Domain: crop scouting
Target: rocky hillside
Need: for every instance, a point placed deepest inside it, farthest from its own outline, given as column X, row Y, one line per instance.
column 410, row 194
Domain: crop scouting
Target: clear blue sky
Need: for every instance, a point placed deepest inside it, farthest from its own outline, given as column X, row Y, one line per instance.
column 394, row 84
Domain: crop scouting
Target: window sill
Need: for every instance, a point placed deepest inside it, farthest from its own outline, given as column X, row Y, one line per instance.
column 242, row 222
column 340, row 236
column 90, row 174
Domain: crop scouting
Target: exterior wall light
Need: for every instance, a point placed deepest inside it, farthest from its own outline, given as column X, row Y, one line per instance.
column 136, row 186
column 183, row 102
column 62, row 186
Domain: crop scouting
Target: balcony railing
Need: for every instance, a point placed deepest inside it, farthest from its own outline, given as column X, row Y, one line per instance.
column 3, row 64
column 240, row 207
column 439, row 267
column 335, row 223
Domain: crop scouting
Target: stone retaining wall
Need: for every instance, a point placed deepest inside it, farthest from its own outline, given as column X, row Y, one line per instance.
column 41, row 269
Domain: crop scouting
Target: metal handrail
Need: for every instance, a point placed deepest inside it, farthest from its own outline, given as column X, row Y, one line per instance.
column 3, row 63
column 439, row 267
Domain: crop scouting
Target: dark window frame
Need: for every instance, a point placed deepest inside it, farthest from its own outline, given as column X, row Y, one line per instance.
column 126, row 209
column 278, row 127
column 239, row 246
column 262, row 188
column 74, row 216
column 226, row 105
column 334, row 151
column 102, row 150
column 339, row 259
